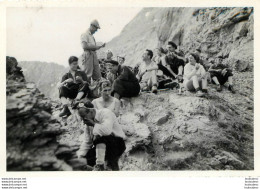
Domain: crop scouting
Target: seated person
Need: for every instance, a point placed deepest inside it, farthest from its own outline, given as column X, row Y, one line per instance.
column 173, row 61
column 124, row 82
column 106, row 134
column 147, row 73
column 102, row 66
column 121, row 59
column 161, row 63
column 203, row 60
column 73, row 86
column 106, row 100
column 220, row 74
column 109, row 55
column 195, row 76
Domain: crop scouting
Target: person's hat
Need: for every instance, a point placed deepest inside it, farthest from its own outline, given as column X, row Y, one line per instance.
column 112, row 62
column 95, row 23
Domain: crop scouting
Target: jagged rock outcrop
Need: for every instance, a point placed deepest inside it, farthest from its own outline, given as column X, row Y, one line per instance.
column 216, row 31
column 31, row 128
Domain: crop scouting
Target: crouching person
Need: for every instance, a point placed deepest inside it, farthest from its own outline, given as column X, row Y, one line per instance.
column 73, row 86
column 124, row 81
column 220, row 74
column 104, row 141
column 195, row 77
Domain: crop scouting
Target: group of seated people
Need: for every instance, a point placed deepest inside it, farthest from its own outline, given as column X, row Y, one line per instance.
column 104, row 138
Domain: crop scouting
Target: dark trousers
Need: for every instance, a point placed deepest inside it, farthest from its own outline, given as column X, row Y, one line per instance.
column 165, row 71
column 71, row 90
column 221, row 79
column 125, row 88
column 115, row 147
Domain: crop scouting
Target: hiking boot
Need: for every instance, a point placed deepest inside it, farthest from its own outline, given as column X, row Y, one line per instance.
column 99, row 167
column 154, row 90
column 199, row 93
column 230, row 88
column 65, row 112
column 75, row 104
column 219, row 88
column 205, row 91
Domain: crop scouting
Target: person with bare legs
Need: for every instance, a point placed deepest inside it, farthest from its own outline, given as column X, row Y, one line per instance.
column 195, row 76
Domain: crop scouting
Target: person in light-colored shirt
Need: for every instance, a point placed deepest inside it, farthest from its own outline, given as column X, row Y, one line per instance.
column 106, row 100
column 88, row 61
column 195, row 76
column 107, row 136
column 147, row 74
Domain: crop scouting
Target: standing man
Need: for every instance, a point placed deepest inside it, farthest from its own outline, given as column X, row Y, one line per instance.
column 88, row 60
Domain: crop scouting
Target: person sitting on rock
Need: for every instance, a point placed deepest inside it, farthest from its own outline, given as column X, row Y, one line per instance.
column 220, row 74
column 160, row 56
column 124, row 81
column 173, row 61
column 73, row 86
column 195, row 76
column 106, row 134
column 106, row 100
column 121, row 59
column 109, row 55
column 203, row 60
column 147, row 73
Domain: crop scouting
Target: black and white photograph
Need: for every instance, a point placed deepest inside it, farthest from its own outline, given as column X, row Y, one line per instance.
column 130, row 88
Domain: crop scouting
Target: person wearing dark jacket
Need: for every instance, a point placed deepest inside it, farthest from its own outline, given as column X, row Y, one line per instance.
column 220, row 74
column 173, row 61
column 73, row 86
column 125, row 83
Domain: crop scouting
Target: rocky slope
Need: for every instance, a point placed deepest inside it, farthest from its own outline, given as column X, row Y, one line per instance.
column 45, row 75
column 172, row 132
column 216, row 31
column 165, row 131
column 31, row 129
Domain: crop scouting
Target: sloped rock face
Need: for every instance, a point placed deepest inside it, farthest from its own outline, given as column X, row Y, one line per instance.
column 31, row 129
column 172, row 132
column 213, row 133
column 216, row 31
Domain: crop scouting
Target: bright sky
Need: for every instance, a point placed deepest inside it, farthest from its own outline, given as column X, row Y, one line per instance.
column 53, row 34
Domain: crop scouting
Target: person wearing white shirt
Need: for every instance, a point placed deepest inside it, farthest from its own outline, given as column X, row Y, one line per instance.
column 88, row 61
column 147, row 73
column 195, row 76
column 107, row 136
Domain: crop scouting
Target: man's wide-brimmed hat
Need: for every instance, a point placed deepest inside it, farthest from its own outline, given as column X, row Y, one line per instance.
column 95, row 23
